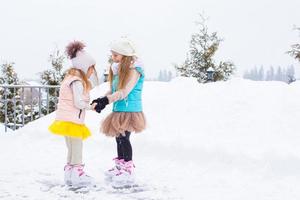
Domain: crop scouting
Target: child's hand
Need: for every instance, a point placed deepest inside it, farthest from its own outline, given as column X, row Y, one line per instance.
column 100, row 103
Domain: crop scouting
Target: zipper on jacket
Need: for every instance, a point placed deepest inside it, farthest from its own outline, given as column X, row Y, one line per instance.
column 126, row 101
column 80, row 113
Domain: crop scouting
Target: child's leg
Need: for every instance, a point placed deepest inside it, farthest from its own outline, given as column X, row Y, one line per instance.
column 119, row 148
column 125, row 146
column 76, row 157
column 69, row 155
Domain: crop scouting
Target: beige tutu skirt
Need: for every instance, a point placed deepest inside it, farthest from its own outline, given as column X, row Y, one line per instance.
column 117, row 123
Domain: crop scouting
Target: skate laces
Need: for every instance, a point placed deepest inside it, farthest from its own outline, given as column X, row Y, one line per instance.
column 127, row 167
column 68, row 167
column 117, row 166
column 80, row 170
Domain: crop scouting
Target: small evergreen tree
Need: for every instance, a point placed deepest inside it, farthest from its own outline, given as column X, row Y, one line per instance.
column 53, row 76
column 254, row 74
column 160, row 76
column 203, row 47
column 295, row 51
column 10, row 77
column 279, row 74
column 270, row 74
column 170, row 76
column 261, row 74
column 290, row 74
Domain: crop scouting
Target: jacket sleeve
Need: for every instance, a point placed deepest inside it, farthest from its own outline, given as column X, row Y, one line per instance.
column 78, row 99
column 123, row 93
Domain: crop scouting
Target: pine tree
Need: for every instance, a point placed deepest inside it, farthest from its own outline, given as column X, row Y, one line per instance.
column 270, row 74
column 165, row 75
column 295, row 51
column 53, row 76
column 203, row 47
column 278, row 76
column 160, row 76
column 261, row 74
column 254, row 74
column 10, row 77
column 290, row 74
column 170, row 76
column 284, row 76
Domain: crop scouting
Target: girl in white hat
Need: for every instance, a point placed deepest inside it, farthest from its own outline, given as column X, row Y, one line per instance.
column 126, row 78
column 70, row 115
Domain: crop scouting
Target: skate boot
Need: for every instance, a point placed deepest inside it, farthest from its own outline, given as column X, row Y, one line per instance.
column 79, row 178
column 125, row 177
column 116, row 169
column 67, row 170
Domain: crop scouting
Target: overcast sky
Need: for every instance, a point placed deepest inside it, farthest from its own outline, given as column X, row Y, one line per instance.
column 256, row 32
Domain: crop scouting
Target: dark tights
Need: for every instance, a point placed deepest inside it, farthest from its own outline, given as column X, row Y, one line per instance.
column 124, row 147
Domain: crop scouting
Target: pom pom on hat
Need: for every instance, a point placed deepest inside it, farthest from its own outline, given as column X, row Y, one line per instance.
column 73, row 48
column 80, row 59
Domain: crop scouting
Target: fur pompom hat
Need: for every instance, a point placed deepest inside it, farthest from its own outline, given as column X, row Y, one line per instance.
column 80, row 59
column 124, row 47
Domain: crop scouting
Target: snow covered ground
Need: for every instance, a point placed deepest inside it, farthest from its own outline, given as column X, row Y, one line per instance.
column 2, row 129
column 235, row 140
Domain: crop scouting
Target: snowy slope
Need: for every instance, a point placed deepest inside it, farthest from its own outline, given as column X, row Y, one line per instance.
column 227, row 140
column 2, row 128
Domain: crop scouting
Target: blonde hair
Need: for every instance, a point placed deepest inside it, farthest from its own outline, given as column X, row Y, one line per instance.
column 80, row 74
column 123, row 71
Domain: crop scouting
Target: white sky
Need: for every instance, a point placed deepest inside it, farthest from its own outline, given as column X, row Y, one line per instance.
column 256, row 32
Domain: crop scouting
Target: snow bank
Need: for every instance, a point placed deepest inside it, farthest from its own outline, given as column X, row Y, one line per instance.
column 2, row 129
column 227, row 140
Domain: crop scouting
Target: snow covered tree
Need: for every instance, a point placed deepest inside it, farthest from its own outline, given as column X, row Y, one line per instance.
column 170, row 75
column 279, row 74
column 254, row 74
column 270, row 74
column 290, row 74
column 165, row 75
column 295, row 51
column 160, row 76
column 110, row 60
column 282, row 74
column 9, row 77
column 261, row 74
column 203, row 47
column 53, row 76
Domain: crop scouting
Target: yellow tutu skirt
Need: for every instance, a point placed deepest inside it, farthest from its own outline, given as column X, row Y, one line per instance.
column 70, row 129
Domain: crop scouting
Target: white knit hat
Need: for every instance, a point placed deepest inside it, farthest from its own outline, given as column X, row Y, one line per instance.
column 83, row 61
column 80, row 59
column 124, row 47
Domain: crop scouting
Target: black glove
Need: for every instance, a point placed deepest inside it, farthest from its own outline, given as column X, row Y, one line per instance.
column 101, row 103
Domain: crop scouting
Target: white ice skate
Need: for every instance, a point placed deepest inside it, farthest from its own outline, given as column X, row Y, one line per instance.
column 79, row 178
column 125, row 178
column 114, row 170
column 67, row 170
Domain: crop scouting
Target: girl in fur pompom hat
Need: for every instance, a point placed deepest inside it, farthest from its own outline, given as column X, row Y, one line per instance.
column 70, row 115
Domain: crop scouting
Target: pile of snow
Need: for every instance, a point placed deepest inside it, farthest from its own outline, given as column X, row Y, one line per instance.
column 227, row 140
column 2, row 129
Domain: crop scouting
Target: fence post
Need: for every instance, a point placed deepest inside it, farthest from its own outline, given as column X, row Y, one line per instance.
column 23, row 108
column 14, row 103
column 5, row 107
